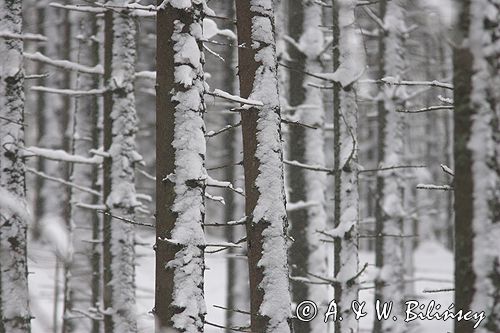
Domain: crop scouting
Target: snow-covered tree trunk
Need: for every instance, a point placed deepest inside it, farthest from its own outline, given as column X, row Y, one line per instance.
column 180, row 167
column 14, row 304
column 307, row 252
column 50, row 208
column 83, row 274
column 389, row 282
column 264, row 186
column 120, row 127
column 347, row 60
column 477, row 164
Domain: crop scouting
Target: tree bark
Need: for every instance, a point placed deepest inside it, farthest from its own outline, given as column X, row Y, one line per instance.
column 390, row 214
column 262, row 160
column 84, row 271
column 120, row 127
column 180, row 168
column 477, row 165
column 307, row 252
column 346, row 193
column 14, row 299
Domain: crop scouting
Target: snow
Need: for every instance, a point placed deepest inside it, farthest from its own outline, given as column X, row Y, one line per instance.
column 484, row 150
column 433, row 270
column 60, row 155
column 210, row 30
column 98, row 69
column 270, row 207
column 237, row 99
column 12, row 205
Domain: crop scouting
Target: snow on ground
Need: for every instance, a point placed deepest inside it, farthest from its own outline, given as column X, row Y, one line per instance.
column 432, row 261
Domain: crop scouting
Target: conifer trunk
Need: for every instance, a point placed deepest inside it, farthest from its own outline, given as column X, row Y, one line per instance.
column 14, row 299
column 263, row 164
column 180, row 168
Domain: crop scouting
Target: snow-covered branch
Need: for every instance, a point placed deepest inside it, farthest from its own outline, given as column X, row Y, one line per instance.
column 446, row 169
column 434, row 187
column 217, row 183
column 396, row 82
column 293, row 206
column 69, row 92
column 60, row 155
column 308, row 167
column 64, row 64
column 210, row 134
column 234, row 98
column 393, row 168
column 79, row 8
column 428, row 109
column 25, row 36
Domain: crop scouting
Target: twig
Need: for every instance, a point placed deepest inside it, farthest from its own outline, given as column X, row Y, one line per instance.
column 447, row 170
column 308, row 167
column 211, row 134
column 123, row 219
column 428, row 109
column 434, row 187
column 62, row 181
column 26, row 36
column 13, row 121
column 232, row 310
column 69, row 92
column 375, row 18
column 392, row 168
column 236, row 329
column 426, row 291
column 390, row 81
column 297, row 123
column 225, row 166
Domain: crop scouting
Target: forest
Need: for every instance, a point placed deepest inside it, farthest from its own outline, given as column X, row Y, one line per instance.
column 260, row 166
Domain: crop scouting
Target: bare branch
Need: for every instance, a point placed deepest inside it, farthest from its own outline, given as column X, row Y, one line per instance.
column 211, row 134
column 374, row 18
column 392, row 168
column 123, row 219
column 64, row 182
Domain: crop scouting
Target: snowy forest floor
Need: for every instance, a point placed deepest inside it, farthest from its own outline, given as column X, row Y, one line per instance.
column 432, row 262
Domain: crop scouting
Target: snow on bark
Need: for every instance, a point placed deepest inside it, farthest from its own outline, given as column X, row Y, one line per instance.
column 119, row 253
column 263, row 163
column 346, row 261
column 180, row 260
column 14, row 304
column 390, row 282
column 83, row 273
column 307, row 252
column 484, row 146
column 51, row 128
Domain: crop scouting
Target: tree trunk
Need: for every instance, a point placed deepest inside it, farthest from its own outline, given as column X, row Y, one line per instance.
column 14, row 305
column 262, row 160
column 84, row 272
column 307, row 252
column 180, row 168
column 390, row 212
column 346, row 194
column 120, row 127
column 477, row 165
